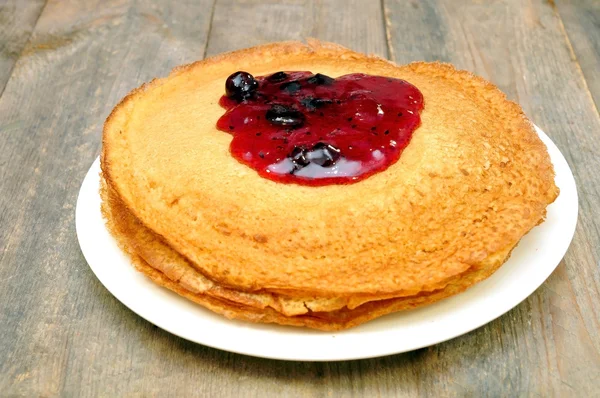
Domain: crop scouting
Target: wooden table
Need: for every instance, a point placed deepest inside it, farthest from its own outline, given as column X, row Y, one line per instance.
column 65, row 63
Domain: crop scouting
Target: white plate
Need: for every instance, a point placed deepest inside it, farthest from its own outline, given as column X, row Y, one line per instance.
column 530, row 264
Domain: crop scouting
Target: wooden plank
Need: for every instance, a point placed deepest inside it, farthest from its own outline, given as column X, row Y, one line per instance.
column 17, row 20
column 62, row 332
column 356, row 24
column 581, row 20
column 550, row 344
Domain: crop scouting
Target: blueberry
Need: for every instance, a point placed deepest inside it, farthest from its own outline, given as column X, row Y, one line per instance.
column 291, row 87
column 325, row 155
column 277, row 77
column 298, row 157
column 240, row 85
column 312, row 104
column 320, row 79
column 282, row 115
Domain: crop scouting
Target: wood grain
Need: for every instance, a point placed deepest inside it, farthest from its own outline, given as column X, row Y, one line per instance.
column 17, row 20
column 63, row 334
column 550, row 344
column 581, row 21
column 356, row 24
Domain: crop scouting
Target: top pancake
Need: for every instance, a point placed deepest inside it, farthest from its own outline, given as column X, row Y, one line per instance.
column 473, row 180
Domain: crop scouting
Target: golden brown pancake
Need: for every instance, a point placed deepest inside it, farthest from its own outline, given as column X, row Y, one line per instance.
column 140, row 242
column 168, row 271
column 473, row 181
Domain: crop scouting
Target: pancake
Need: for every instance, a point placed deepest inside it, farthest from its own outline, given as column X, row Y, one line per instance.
column 149, row 248
column 474, row 179
column 168, row 270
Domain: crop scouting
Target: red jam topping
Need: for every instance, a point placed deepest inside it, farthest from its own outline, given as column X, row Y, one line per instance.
column 311, row 129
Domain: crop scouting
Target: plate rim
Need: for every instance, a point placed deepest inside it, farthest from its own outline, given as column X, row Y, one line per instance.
column 569, row 188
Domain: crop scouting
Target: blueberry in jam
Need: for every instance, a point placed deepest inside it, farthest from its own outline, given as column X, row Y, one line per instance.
column 312, row 104
column 312, row 129
column 320, row 79
column 240, row 85
column 277, row 77
column 325, row 155
column 291, row 87
column 284, row 116
column 299, row 158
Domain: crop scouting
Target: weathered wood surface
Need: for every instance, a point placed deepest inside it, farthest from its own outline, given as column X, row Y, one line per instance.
column 353, row 23
column 550, row 344
column 581, row 21
column 64, row 334
column 17, row 20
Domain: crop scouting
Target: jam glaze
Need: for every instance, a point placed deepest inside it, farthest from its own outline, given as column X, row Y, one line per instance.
column 311, row 129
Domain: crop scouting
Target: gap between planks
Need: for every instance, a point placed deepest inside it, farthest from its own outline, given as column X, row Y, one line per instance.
column 573, row 55
column 210, row 25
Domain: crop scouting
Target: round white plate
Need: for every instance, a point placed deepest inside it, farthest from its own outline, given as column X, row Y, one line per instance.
column 537, row 255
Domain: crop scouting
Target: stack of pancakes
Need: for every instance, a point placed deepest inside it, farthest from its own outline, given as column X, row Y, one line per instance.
column 473, row 181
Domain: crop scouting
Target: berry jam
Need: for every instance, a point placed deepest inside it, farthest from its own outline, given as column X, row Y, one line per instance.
column 311, row 129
